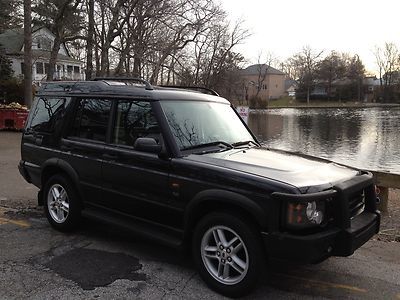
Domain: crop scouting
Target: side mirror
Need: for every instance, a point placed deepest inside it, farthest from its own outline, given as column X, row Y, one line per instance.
column 147, row 145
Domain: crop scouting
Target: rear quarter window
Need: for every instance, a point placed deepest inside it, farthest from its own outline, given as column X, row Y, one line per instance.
column 46, row 113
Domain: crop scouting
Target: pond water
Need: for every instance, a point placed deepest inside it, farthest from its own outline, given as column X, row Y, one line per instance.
column 367, row 138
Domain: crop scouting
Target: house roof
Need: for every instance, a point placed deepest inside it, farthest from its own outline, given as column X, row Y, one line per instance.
column 12, row 41
column 255, row 70
column 289, row 83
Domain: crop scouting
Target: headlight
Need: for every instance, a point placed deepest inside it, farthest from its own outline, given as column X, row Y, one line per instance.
column 313, row 214
column 305, row 214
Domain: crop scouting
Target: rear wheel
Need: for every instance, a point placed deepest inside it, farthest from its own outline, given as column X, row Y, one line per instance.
column 61, row 203
column 228, row 254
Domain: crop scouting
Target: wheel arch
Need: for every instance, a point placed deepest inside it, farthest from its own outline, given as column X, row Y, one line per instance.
column 216, row 200
column 57, row 166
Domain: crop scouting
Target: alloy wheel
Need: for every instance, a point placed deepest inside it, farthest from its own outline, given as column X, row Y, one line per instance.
column 224, row 255
column 58, row 203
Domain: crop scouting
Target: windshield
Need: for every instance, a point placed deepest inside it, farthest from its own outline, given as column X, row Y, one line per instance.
column 196, row 123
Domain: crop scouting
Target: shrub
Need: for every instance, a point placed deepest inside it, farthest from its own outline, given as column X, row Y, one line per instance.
column 11, row 90
column 257, row 102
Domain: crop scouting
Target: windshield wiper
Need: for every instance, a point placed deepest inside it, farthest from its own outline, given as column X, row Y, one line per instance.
column 225, row 145
column 244, row 143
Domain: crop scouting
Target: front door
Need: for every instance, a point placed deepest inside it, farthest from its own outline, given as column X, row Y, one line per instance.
column 135, row 182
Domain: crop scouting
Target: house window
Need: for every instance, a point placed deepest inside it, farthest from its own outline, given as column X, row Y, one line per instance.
column 46, row 68
column 22, row 68
column 264, row 86
column 76, row 69
column 43, row 43
column 69, row 69
column 39, row 68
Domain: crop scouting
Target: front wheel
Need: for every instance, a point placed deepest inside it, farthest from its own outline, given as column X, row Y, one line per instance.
column 61, row 203
column 228, row 254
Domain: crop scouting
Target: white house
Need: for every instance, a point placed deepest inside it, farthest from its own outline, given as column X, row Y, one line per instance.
column 67, row 68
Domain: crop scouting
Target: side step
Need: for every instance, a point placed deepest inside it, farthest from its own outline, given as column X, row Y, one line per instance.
column 152, row 231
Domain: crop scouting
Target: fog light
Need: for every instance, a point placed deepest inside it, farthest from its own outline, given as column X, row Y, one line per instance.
column 313, row 214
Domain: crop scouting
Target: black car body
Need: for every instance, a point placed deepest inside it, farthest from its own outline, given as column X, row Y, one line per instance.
column 156, row 171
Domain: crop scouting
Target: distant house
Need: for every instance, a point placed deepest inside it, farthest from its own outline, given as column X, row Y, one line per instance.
column 371, row 88
column 290, row 87
column 67, row 68
column 268, row 81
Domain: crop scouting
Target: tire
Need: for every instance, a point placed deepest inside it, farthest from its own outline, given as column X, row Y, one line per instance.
column 61, row 202
column 228, row 254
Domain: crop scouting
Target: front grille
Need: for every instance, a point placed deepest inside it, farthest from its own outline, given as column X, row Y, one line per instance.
column 357, row 203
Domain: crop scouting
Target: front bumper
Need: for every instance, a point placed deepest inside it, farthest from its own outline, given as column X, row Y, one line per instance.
column 319, row 246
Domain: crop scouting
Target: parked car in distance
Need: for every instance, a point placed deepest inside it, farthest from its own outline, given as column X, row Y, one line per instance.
column 180, row 167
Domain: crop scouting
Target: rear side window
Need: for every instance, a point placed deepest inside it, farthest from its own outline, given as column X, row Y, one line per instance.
column 46, row 113
column 91, row 119
column 134, row 119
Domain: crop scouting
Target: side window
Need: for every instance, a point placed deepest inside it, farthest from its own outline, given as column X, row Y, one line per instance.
column 45, row 114
column 91, row 119
column 134, row 119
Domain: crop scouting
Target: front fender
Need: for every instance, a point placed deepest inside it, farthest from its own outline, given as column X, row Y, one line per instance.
column 223, row 197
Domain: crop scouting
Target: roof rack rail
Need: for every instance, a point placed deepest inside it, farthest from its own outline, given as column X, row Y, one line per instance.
column 57, row 86
column 126, row 79
column 196, row 88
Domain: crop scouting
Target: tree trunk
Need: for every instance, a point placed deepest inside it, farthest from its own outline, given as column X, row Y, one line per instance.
column 53, row 57
column 27, row 53
column 90, row 42
column 137, row 65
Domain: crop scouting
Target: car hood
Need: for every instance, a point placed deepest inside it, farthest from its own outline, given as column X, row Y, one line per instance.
column 304, row 172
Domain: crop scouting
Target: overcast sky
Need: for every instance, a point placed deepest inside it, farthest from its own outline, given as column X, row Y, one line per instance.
column 283, row 27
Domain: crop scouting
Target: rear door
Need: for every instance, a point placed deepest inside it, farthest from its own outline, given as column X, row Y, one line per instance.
column 83, row 144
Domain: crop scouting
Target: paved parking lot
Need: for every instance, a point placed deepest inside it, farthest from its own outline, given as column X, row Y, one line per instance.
column 99, row 262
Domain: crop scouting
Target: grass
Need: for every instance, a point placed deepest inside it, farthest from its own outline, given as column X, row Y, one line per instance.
column 291, row 102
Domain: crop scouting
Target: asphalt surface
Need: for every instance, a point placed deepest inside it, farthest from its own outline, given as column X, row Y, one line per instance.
column 100, row 262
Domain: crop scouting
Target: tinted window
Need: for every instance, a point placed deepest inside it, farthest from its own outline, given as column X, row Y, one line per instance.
column 134, row 119
column 45, row 113
column 91, row 119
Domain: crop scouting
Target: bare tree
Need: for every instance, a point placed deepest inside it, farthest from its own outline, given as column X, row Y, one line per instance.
column 27, row 53
column 90, row 40
column 306, row 62
column 10, row 14
column 388, row 61
column 333, row 67
column 64, row 19
column 264, row 64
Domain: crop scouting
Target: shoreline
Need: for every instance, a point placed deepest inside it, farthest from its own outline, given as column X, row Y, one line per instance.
column 330, row 106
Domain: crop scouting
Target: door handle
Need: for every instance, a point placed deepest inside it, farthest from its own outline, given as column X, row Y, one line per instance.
column 38, row 140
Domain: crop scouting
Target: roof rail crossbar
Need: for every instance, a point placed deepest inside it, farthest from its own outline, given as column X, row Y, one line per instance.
column 127, row 79
column 196, row 88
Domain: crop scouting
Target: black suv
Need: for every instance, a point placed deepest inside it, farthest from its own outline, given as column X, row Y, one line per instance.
column 182, row 168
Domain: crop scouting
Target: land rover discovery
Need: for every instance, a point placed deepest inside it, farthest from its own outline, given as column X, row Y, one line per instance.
column 180, row 167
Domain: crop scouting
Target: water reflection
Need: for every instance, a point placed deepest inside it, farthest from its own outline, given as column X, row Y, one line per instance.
column 365, row 138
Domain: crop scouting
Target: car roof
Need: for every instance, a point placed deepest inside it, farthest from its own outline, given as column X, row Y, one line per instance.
column 137, row 88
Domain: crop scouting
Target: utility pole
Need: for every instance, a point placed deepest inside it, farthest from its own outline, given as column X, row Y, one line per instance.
column 27, row 53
